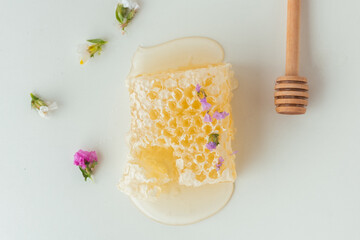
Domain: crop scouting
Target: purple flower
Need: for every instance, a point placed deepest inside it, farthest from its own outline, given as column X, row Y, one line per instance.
column 211, row 146
column 86, row 162
column 81, row 158
column 220, row 115
column 220, row 163
column 198, row 87
column 207, row 118
column 205, row 105
column 213, row 141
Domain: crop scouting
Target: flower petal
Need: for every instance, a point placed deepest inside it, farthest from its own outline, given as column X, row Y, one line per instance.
column 43, row 110
column 207, row 118
column 211, row 146
column 220, row 163
column 130, row 4
column 220, row 115
column 205, row 105
column 198, row 87
column 52, row 105
column 84, row 54
column 83, row 159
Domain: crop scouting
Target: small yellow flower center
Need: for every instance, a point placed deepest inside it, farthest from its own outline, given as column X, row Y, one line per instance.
column 81, row 61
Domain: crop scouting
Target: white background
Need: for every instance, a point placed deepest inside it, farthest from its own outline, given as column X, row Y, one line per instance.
column 298, row 176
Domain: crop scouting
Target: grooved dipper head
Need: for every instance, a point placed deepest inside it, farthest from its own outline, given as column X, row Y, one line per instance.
column 291, row 95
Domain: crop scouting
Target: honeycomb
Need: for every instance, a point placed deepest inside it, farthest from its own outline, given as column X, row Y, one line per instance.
column 168, row 134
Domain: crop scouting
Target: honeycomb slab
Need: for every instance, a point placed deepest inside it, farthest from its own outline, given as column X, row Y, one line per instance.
column 168, row 133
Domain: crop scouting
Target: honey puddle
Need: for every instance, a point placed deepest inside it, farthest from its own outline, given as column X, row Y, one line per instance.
column 182, row 205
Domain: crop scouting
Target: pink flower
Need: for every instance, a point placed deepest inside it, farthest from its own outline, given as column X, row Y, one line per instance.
column 81, row 158
column 207, row 118
column 220, row 115
column 220, row 163
column 211, row 146
column 205, row 105
column 86, row 162
column 198, row 87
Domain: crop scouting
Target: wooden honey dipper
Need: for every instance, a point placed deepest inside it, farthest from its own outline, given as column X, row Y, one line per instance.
column 291, row 90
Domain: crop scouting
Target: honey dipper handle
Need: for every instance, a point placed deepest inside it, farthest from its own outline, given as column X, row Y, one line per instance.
column 292, row 38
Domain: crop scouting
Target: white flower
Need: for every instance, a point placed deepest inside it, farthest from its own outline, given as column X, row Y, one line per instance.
column 52, row 106
column 84, row 54
column 44, row 110
column 125, row 12
column 41, row 106
column 130, row 4
column 87, row 51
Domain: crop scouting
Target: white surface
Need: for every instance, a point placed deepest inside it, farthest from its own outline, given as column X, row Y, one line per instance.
column 298, row 175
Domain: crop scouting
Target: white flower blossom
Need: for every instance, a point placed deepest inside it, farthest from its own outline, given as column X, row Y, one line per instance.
column 52, row 106
column 87, row 51
column 130, row 4
column 125, row 12
column 84, row 54
column 44, row 110
column 41, row 106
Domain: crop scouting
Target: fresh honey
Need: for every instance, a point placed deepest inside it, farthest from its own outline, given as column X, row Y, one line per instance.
column 172, row 177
